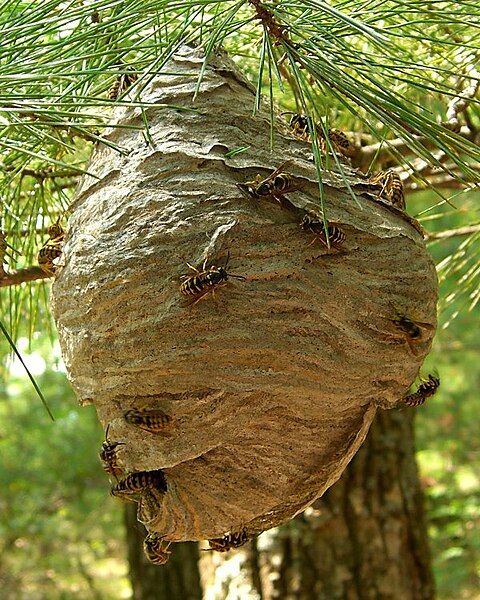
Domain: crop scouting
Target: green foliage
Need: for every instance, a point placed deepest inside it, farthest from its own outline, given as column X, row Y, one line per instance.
column 18, row 355
column 458, row 257
column 61, row 533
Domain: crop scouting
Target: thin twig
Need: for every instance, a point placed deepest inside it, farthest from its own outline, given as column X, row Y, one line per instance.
column 22, row 275
column 380, row 151
column 423, row 167
column 48, row 173
column 445, row 183
column 460, row 103
column 449, row 233
column 29, row 232
column 385, row 150
column 276, row 31
column 70, row 129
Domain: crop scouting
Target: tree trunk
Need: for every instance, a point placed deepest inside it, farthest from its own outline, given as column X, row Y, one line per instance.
column 365, row 539
column 179, row 579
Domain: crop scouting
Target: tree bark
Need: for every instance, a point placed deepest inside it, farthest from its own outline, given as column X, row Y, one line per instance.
column 179, row 579
column 366, row 539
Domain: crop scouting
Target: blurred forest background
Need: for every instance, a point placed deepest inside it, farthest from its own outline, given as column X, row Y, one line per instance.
column 61, row 534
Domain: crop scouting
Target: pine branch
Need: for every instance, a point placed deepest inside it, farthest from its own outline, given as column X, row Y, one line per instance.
column 22, row 276
column 33, row 232
column 40, row 117
column 275, row 31
column 461, row 102
column 450, row 233
column 47, row 173
column 381, row 151
column 384, row 150
column 441, row 183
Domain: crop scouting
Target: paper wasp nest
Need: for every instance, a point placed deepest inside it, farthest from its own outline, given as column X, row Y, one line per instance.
column 271, row 383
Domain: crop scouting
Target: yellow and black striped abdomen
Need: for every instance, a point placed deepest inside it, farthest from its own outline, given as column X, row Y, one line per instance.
column 135, row 483
column 49, row 253
column 229, row 541
column 392, row 187
column 335, row 234
column 192, row 285
column 199, row 283
column 152, row 420
column 283, row 183
column 108, row 456
column 425, row 390
column 394, row 190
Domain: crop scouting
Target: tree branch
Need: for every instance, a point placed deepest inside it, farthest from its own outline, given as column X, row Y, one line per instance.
column 71, row 129
column 48, row 173
column 382, row 151
column 449, row 233
column 422, row 167
column 276, row 31
column 460, row 103
column 444, row 183
column 22, row 276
